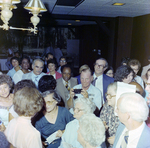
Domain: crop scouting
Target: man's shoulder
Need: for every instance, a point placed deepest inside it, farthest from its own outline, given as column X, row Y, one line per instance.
column 93, row 88
column 107, row 78
column 27, row 75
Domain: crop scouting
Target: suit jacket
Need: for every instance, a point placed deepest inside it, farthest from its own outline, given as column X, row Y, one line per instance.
column 28, row 76
column 58, row 75
column 106, row 81
column 62, row 90
column 143, row 141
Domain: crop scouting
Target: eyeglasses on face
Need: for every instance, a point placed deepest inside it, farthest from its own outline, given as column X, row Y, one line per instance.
column 99, row 66
column 109, row 96
column 78, row 110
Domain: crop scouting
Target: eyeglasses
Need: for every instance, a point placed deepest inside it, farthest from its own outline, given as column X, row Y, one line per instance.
column 78, row 110
column 99, row 66
column 147, row 83
column 109, row 96
column 62, row 61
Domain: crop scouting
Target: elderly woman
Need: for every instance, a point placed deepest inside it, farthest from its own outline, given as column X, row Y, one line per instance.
column 27, row 102
column 6, row 100
column 25, row 64
column 124, row 74
column 107, row 114
column 91, row 132
column 81, row 106
column 15, row 63
column 52, row 65
column 54, row 119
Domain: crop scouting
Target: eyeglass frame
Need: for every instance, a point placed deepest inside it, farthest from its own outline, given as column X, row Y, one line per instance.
column 78, row 110
column 99, row 66
column 109, row 95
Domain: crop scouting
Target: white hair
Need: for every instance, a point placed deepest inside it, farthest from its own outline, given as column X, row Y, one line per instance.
column 135, row 105
column 92, row 129
column 87, row 104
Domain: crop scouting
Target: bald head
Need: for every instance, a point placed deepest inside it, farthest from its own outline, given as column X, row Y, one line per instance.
column 135, row 105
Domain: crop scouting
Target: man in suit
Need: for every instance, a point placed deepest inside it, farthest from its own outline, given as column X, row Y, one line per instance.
column 65, row 83
column 132, row 111
column 36, row 73
column 100, row 80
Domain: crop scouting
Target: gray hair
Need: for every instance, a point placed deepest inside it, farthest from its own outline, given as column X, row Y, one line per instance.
column 40, row 60
column 135, row 105
column 55, row 95
column 87, row 104
column 92, row 129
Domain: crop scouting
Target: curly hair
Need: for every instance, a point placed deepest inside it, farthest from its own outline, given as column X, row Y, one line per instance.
column 87, row 103
column 24, row 83
column 6, row 79
column 122, row 72
column 46, row 82
column 92, row 129
column 55, row 95
column 52, row 61
column 28, row 101
column 134, row 62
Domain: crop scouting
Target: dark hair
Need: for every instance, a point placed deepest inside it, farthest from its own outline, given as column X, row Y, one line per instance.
column 62, row 57
column 15, row 58
column 25, row 57
column 109, row 68
column 24, row 83
column 46, row 82
column 122, row 72
column 55, row 95
column 147, row 74
column 134, row 62
column 65, row 66
column 53, row 61
column 6, row 79
column 103, row 60
column 46, row 56
column 125, row 60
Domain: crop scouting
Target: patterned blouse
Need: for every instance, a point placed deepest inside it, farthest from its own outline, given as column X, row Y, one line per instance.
column 107, row 114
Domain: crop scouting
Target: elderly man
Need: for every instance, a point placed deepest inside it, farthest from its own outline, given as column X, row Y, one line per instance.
column 36, row 73
column 86, row 89
column 100, row 80
column 65, row 83
column 132, row 111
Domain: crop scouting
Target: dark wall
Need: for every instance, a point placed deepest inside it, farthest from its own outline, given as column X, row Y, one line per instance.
column 140, row 48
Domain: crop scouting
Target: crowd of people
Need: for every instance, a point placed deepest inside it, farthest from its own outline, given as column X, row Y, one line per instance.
column 46, row 106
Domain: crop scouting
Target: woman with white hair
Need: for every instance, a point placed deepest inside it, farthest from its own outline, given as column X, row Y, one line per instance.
column 91, row 131
column 81, row 106
column 107, row 114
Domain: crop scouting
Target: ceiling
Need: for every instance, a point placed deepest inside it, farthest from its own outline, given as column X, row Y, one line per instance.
column 87, row 9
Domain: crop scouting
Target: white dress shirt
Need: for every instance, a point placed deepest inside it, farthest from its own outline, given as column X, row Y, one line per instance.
column 134, row 136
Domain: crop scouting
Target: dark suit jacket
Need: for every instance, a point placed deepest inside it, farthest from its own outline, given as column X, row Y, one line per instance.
column 62, row 90
column 143, row 141
column 106, row 81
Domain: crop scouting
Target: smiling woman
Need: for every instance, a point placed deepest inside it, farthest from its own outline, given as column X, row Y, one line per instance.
column 54, row 119
column 6, row 100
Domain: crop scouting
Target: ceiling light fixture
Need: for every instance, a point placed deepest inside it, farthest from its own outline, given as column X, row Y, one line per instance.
column 35, row 6
column 69, row 24
column 118, row 4
column 77, row 20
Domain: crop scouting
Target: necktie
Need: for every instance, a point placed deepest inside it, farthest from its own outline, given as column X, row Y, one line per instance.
column 125, row 140
column 36, row 81
column 67, row 86
column 94, row 81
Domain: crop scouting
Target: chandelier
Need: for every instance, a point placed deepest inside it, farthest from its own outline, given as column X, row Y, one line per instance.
column 34, row 6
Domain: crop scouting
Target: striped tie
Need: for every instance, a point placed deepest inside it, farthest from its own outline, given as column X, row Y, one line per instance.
column 125, row 140
column 67, row 86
